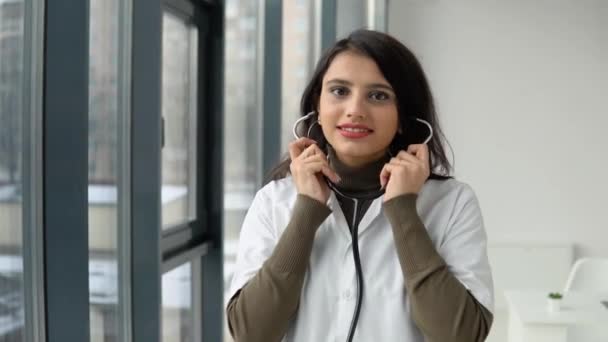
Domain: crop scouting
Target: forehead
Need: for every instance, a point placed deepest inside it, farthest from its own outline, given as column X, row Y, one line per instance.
column 354, row 67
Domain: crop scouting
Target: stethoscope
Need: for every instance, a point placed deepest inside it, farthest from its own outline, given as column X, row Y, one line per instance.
column 355, row 229
column 310, row 114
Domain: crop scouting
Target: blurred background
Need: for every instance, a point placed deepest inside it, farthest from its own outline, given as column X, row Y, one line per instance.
column 134, row 135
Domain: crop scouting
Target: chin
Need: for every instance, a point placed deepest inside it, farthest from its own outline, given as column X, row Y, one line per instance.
column 357, row 152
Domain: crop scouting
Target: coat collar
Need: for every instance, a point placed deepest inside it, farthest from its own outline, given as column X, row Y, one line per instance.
column 372, row 213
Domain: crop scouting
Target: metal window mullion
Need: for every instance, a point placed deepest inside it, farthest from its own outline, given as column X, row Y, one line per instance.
column 377, row 15
column 194, row 41
column 313, row 32
column 259, row 96
column 33, row 256
column 212, row 263
column 65, row 194
column 329, row 20
column 325, row 26
column 270, row 26
column 197, row 299
column 181, row 7
column 185, row 256
column 146, row 80
column 203, row 113
column 125, row 323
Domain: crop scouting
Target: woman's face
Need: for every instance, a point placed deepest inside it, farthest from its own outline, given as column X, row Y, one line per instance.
column 357, row 109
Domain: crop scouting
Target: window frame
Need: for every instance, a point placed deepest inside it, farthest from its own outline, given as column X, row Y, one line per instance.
column 33, row 258
column 199, row 241
column 65, row 180
column 180, row 237
column 270, row 24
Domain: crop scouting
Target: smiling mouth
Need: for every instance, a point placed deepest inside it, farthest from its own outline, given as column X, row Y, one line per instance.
column 355, row 129
column 354, row 132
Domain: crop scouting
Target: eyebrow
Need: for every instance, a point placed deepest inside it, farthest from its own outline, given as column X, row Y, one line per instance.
column 372, row 85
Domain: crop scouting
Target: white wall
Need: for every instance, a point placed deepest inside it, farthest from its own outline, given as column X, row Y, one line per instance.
column 521, row 88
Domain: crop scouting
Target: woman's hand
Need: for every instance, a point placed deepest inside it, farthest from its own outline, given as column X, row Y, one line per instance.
column 406, row 172
column 308, row 165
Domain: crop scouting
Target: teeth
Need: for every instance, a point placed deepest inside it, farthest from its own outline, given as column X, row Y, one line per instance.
column 355, row 130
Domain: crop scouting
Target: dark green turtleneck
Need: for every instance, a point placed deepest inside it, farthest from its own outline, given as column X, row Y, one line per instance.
column 355, row 182
column 441, row 306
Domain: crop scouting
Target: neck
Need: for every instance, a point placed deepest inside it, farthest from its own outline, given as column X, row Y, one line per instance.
column 359, row 177
column 358, row 163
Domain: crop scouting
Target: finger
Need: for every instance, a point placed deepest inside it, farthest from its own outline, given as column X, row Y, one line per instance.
column 296, row 147
column 306, row 141
column 408, row 157
column 387, row 171
column 401, row 162
column 385, row 175
column 421, row 151
column 331, row 174
column 312, row 157
column 313, row 150
column 316, row 167
column 413, row 159
column 328, row 171
column 313, row 167
column 409, row 165
column 308, row 152
column 318, row 150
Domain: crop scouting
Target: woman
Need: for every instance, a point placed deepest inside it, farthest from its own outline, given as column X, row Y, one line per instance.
column 421, row 270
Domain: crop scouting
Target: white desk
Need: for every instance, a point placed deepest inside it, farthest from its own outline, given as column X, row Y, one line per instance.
column 530, row 320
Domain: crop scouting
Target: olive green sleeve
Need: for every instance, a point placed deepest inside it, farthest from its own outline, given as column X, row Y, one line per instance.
column 441, row 306
column 261, row 310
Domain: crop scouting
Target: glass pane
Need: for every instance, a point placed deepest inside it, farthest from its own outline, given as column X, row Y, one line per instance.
column 242, row 128
column 178, row 316
column 180, row 43
column 11, row 183
column 103, row 170
column 350, row 15
column 297, row 54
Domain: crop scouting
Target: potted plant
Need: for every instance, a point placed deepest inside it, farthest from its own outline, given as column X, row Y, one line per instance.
column 555, row 299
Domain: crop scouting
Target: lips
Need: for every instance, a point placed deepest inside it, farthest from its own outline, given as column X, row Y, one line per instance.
column 354, row 131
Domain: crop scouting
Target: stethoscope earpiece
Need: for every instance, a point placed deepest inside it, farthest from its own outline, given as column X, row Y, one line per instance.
column 304, row 118
column 426, row 141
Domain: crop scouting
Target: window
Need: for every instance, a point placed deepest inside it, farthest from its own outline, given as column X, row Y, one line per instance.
column 103, row 171
column 12, row 307
column 296, row 64
column 350, row 15
column 178, row 293
column 179, row 108
column 242, row 125
column 49, row 255
column 187, row 115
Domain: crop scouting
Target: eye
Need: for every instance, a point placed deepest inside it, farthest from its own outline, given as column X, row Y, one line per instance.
column 379, row 96
column 339, row 91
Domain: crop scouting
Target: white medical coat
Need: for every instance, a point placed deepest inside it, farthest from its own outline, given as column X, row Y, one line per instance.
column 450, row 212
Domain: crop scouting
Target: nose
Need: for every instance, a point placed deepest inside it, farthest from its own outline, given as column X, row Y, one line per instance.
column 356, row 106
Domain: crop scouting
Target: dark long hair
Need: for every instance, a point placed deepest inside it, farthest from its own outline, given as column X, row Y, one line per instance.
column 403, row 72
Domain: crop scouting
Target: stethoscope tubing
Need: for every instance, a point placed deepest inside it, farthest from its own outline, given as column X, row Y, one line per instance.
column 355, row 226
